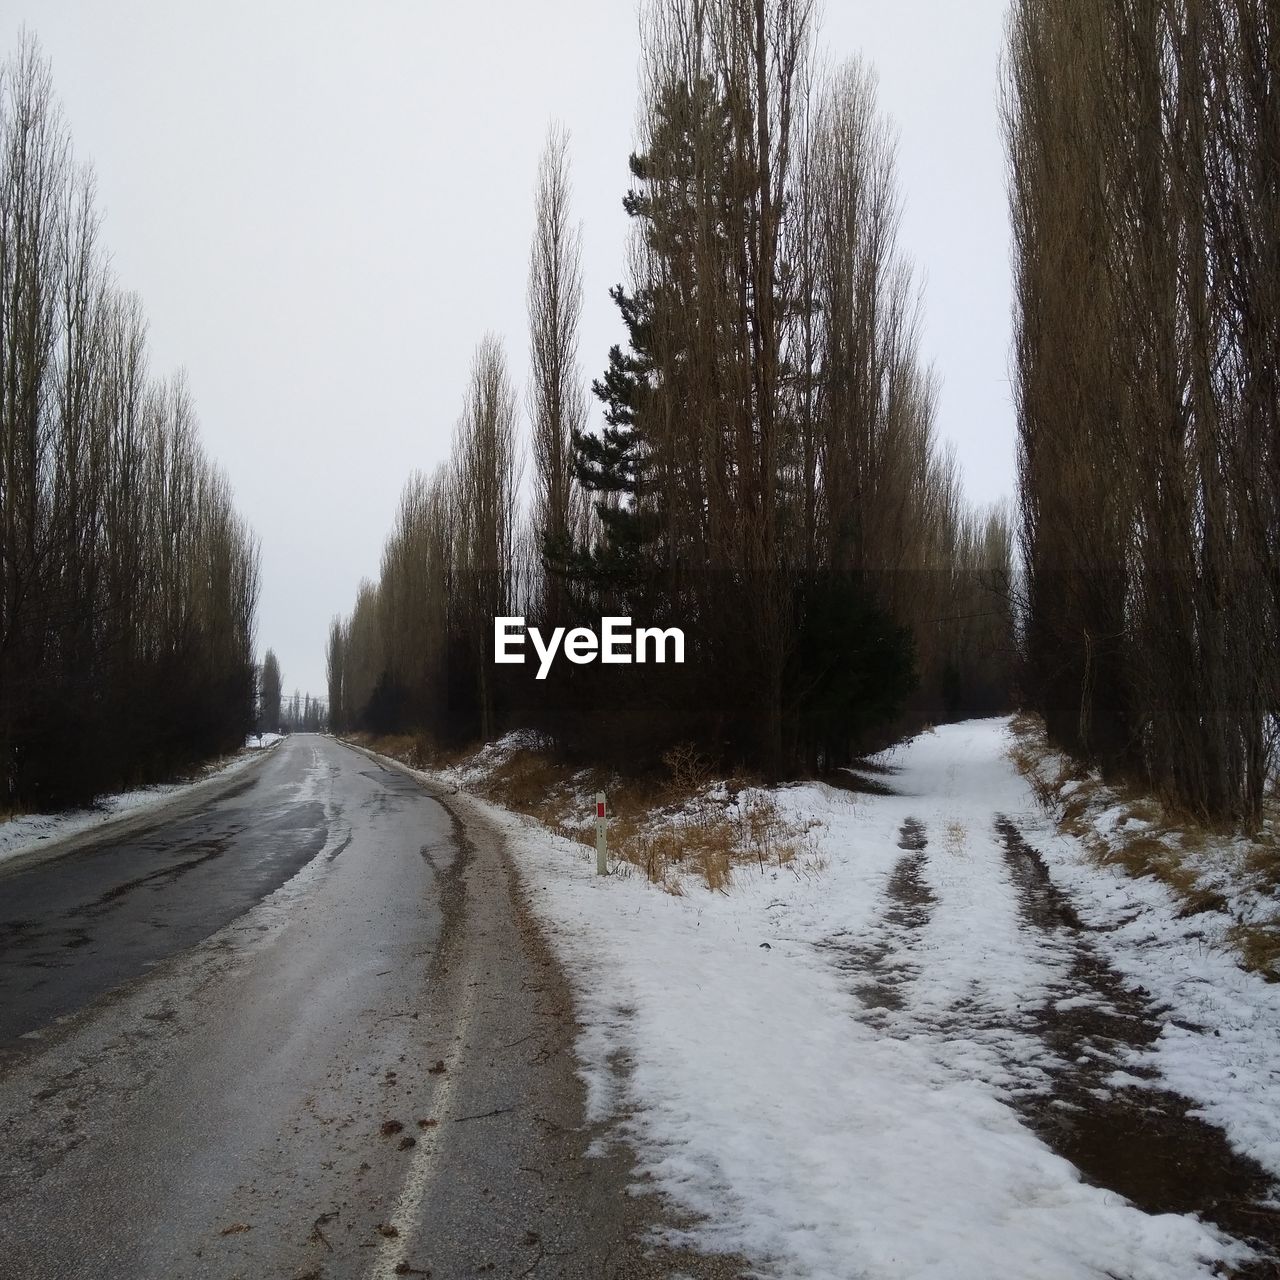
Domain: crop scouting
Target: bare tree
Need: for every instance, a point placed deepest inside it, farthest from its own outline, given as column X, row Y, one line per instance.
column 557, row 398
column 269, row 695
column 486, row 479
column 1146, row 387
column 335, row 661
column 128, row 585
column 768, row 439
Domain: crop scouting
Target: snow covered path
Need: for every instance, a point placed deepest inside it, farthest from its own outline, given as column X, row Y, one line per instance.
column 898, row 1064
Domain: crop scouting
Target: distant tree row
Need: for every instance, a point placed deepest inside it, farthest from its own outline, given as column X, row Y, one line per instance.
column 270, row 705
column 128, row 583
column 766, row 477
column 417, row 649
column 302, row 713
column 1144, row 141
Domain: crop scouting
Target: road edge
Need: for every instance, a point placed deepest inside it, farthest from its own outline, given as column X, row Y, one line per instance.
column 225, row 782
column 645, row 1217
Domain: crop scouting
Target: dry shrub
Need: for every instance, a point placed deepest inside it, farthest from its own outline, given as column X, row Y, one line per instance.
column 1264, row 855
column 416, row 750
column 663, row 851
column 691, row 772
column 399, row 746
column 1073, row 811
column 1030, row 754
column 709, row 837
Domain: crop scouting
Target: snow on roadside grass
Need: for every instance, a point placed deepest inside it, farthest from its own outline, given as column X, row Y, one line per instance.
column 727, row 1033
column 1211, row 872
column 1220, row 1044
column 678, row 828
column 29, row 832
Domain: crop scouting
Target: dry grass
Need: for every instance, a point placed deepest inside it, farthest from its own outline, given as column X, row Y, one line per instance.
column 1260, row 943
column 1259, row 946
column 1264, row 856
column 415, row 750
column 529, row 782
column 1148, row 838
column 709, row 838
column 670, row 825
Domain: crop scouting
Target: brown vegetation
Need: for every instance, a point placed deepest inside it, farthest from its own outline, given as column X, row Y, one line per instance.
column 1203, row 867
column 669, row 824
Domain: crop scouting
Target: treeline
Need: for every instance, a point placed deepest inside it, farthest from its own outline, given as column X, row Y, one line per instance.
column 300, row 713
column 128, row 584
column 1144, row 142
column 766, row 477
column 270, row 693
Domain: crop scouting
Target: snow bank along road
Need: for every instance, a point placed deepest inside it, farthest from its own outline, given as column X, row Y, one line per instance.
column 305, row 1030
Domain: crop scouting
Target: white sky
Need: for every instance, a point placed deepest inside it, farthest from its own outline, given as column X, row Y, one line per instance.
column 324, row 206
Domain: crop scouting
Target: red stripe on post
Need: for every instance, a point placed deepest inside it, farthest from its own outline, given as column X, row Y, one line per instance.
column 600, row 809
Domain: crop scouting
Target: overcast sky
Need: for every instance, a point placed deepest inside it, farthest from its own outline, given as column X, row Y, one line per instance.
column 325, row 206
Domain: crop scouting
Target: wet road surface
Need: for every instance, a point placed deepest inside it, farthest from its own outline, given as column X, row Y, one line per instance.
column 74, row 927
column 310, row 1032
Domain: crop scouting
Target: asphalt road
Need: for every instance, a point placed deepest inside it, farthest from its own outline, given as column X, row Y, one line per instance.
column 306, row 1031
column 74, row 927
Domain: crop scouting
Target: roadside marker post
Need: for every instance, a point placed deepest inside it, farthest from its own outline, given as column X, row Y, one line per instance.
column 602, row 839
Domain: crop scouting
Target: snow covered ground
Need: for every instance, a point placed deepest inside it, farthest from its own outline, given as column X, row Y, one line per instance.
column 1227, row 878
column 839, row 1067
column 31, row 832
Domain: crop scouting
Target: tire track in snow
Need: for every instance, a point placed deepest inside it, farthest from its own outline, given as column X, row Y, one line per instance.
column 950, row 963
column 884, row 966
column 1107, row 1111
column 1074, row 1057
